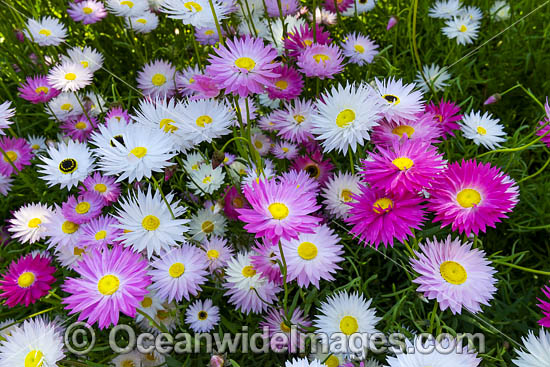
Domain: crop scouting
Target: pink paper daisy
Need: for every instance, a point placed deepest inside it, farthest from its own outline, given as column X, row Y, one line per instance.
column 471, row 196
column 99, row 232
column 277, row 324
column 313, row 163
column 243, row 66
column 234, row 201
column 19, row 152
column 110, row 282
column 343, row 5
column 454, row 274
column 82, row 209
column 380, row 217
column 545, row 126
column 79, row 128
column 288, row 7
column 424, row 128
column 104, row 186
column 37, row 89
column 264, row 260
column 446, row 114
column 204, row 87
column 156, row 79
column 288, row 85
column 217, row 252
column 406, row 165
column 545, row 307
column 207, row 35
column 117, row 114
column 294, row 121
column 27, row 280
column 87, row 11
column 322, row 61
column 300, row 179
column 302, row 38
column 278, row 211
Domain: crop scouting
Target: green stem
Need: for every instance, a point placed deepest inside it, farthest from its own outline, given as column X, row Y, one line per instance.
column 8, row 159
column 233, row 139
column 218, row 28
column 546, row 273
column 351, row 163
column 284, row 273
column 536, row 173
column 432, row 317
column 163, row 197
column 518, row 148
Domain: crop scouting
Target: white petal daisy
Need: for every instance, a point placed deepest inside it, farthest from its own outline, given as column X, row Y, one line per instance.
column 69, row 76
column 461, row 28
column 88, row 57
column 401, row 101
column 500, row 10
column 156, row 79
column 206, row 179
column 62, row 232
column 47, row 31
column 483, row 129
column 303, row 362
column 6, row 113
column 436, row 76
column 27, row 224
column 338, row 192
column 63, row 107
column 5, row 184
column 206, row 223
column 194, row 12
column 445, row 9
column 202, row 316
column 150, row 305
column 143, row 23
column 132, row 359
column 537, row 350
column 127, row 8
column 363, row 6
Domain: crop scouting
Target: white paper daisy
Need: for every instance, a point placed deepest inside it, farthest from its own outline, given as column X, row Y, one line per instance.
column 206, row 179
column 400, row 101
column 204, row 120
column 536, row 352
column 202, row 316
column 445, row 9
column 6, row 113
column 143, row 23
column 483, row 129
column 461, row 28
column 127, row 8
column 63, row 107
column 195, row 12
column 27, row 224
column 156, row 79
column 338, row 192
column 436, row 76
column 47, row 31
column 69, row 76
column 88, row 57
column 206, row 223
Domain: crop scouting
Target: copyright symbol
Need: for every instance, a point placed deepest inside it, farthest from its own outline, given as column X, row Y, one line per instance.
column 79, row 338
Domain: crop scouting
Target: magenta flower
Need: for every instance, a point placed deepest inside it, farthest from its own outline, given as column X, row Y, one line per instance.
column 545, row 307
column 492, row 99
column 424, row 128
column 391, row 22
column 472, row 196
column 204, row 87
column 87, row 11
column 288, row 7
column 79, row 128
column 288, row 85
column 37, row 89
column 322, row 61
column 99, row 232
column 275, row 323
column 117, row 114
column 110, row 282
column 233, row 200
column 313, row 163
column 302, row 38
column 19, row 152
column 278, row 211
column 343, row 5
column 545, row 126
column 446, row 114
column 104, row 186
column 264, row 259
column 243, row 66
column 27, row 280
column 300, row 179
column 406, row 165
column 82, row 209
column 380, row 217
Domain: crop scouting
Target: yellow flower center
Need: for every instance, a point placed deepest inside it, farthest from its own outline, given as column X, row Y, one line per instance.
column 349, row 325
column 150, row 223
column 320, row 57
column 70, row 76
column 203, row 120
column 359, row 48
column 245, row 63
column 141, row 20
column 281, row 84
column 87, row 10
column 68, row 165
column 82, row 208
column 139, row 152
column 66, row 107
column 45, row 32
column 127, row 3
column 403, row 163
column 278, row 210
column 100, row 187
column 463, row 28
column 207, row 226
column 166, row 125
column 78, row 251
column 332, row 361
column 307, row 251
column 213, row 254
column 80, row 125
column 209, row 32
column 308, row 42
column 468, row 198
column 35, row 146
column 481, row 130
column 10, row 156
column 299, row 119
column 34, row 223
column 453, row 272
column 207, row 180
column 176, row 270
column 191, row 5
column 34, row 358
column 403, row 129
column 69, row 227
column 381, row 205
column 284, row 149
column 26, row 279
column 44, row 90
column 147, row 302
column 158, row 79
column 258, row 144
column 284, row 327
column 84, row 64
column 100, row 235
column 203, row 315
column 128, row 363
column 346, row 196
column 391, row 99
column 345, row 117
column 248, row 271
column 108, row 285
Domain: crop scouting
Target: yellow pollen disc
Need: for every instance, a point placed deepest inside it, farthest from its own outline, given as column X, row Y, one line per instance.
column 207, row 180
column 202, row 315
column 11, row 155
column 150, row 357
column 238, row 202
column 468, row 198
column 69, row 227
column 203, row 120
column 81, row 125
column 167, row 125
column 150, row 223
column 390, row 98
column 195, row 167
column 44, row 90
column 84, row 64
column 345, row 117
column 245, row 63
column 207, row 226
column 82, row 208
column 346, row 196
column 141, row 20
column 45, row 32
column 158, row 79
column 100, row 235
column 87, row 10
column 308, row 42
column 70, row 76
column 299, row 119
column 209, row 32
column 213, row 254
column 481, row 130
column 403, row 163
column 320, row 57
column 108, row 285
column 191, row 81
column 403, row 129
column 34, row 223
column 359, row 48
column 381, row 205
column 278, row 210
column 258, row 144
column 453, row 272
column 248, row 271
column 147, row 302
column 176, row 270
column 332, row 361
column 100, row 187
column 284, row 327
column 127, row 3
column 191, row 5
column 66, row 107
column 78, row 251
column 281, row 84
column 128, row 363
column 307, row 251
column 284, row 149
column 349, row 325
column 35, row 146
column 26, row 279
column 463, row 28
column 34, row 358
column 139, row 152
